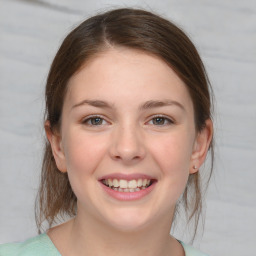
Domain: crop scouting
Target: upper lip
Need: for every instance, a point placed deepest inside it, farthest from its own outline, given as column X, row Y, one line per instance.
column 122, row 176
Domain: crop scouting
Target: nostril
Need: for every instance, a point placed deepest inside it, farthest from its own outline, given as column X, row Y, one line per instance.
column 127, row 147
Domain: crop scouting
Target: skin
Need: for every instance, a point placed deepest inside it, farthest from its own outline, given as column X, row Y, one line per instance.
column 127, row 139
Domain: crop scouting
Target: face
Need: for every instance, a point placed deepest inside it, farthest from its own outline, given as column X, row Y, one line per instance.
column 128, row 140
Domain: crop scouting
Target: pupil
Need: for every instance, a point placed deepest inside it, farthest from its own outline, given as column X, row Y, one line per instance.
column 96, row 121
column 159, row 120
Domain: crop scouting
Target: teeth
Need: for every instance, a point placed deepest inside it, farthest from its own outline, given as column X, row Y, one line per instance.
column 115, row 183
column 123, row 183
column 127, row 186
column 132, row 184
column 144, row 183
column 128, row 189
column 109, row 182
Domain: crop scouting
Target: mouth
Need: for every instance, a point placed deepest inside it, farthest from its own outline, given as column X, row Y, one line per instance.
column 128, row 186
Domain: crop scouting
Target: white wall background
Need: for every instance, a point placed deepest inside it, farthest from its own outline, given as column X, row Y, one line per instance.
column 225, row 34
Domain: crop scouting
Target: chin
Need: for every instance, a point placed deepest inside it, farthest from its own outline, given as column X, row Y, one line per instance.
column 129, row 221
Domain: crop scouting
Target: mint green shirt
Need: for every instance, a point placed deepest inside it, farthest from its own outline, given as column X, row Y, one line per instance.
column 42, row 246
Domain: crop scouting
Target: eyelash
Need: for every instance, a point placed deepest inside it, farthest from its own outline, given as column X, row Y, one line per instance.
column 90, row 118
column 167, row 120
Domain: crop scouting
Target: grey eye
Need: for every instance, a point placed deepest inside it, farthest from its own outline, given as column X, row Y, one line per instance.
column 160, row 121
column 96, row 121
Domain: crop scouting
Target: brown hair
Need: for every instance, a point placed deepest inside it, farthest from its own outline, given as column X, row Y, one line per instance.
column 136, row 29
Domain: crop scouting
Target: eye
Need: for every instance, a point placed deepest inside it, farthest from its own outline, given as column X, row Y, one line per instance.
column 94, row 121
column 161, row 121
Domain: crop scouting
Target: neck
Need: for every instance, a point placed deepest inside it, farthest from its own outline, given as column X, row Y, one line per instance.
column 92, row 237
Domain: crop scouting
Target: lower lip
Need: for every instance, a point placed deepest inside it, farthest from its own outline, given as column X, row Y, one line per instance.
column 128, row 196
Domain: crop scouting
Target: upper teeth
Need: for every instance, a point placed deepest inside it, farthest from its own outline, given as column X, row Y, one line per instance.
column 126, row 184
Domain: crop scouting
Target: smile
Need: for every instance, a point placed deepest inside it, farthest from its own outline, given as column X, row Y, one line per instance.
column 127, row 186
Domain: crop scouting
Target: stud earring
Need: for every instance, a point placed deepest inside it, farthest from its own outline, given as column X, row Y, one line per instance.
column 194, row 167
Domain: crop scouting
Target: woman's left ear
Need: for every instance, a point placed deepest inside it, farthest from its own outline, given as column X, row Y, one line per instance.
column 201, row 146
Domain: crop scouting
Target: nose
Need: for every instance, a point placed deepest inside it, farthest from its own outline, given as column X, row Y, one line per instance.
column 127, row 145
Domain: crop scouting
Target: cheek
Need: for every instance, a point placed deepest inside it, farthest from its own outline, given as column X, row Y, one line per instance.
column 172, row 154
column 83, row 153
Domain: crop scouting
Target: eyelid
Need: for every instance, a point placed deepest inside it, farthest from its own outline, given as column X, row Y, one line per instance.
column 168, row 118
column 87, row 118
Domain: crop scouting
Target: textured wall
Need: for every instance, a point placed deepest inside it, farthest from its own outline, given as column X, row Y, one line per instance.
column 225, row 34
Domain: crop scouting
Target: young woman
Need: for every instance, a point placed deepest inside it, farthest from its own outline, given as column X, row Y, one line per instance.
column 128, row 123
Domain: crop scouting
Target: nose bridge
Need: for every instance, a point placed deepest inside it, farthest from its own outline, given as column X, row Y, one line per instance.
column 127, row 143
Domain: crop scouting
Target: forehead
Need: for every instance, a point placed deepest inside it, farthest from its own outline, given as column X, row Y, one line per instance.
column 126, row 74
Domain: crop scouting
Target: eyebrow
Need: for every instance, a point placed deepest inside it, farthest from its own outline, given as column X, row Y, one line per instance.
column 156, row 104
column 94, row 103
column 147, row 105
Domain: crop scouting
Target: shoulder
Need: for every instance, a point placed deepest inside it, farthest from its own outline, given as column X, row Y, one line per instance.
column 40, row 245
column 191, row 251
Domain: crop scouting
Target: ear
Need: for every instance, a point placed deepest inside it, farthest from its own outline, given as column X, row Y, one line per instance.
column 56, row 144
column 201, row 146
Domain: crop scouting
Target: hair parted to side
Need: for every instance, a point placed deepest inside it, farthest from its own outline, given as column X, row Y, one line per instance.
column 135, row 29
